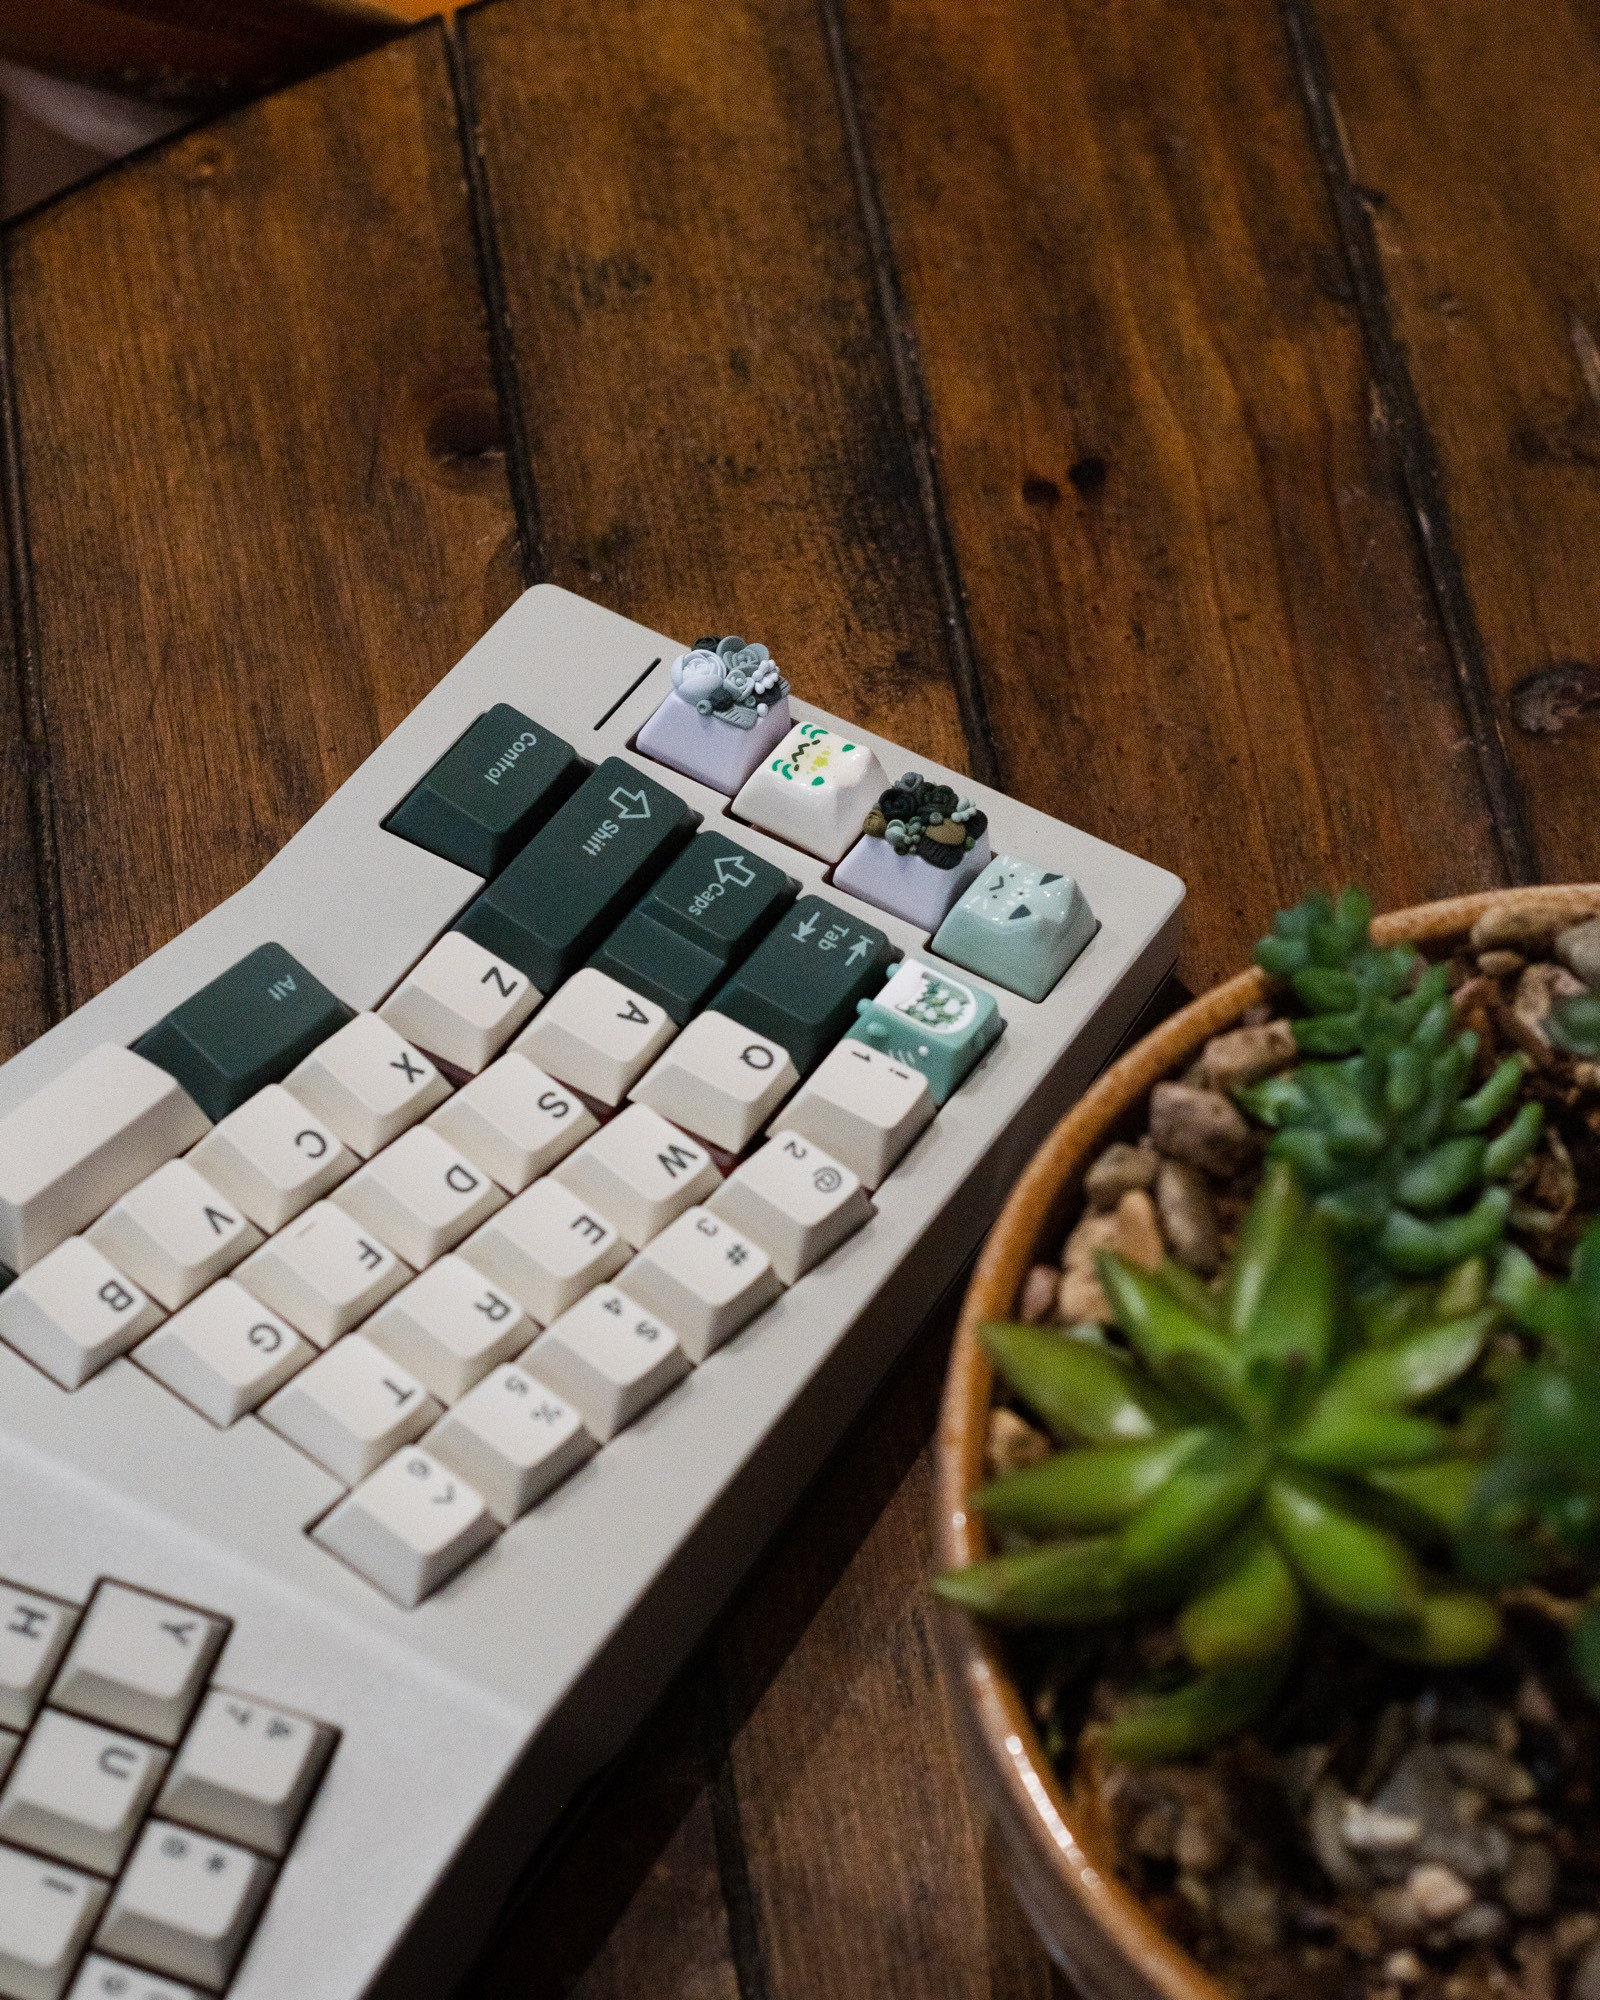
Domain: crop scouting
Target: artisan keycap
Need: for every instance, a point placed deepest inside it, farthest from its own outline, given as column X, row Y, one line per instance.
column 273, row 1157
column 513, row 1439
column 515, row 1121
column 450, row 1327
column 34, row 1631
column 351, row 1408
column 609, row 1357
column 801, row 983
column 1019, row 925
column 597, row 1036
column 861, row 1106
column 921, row 845
column 930, row 1022
column 248, row 1028
column 174, row 1234
column 46, row 1915
column 795, row 1201
column 409, row 1527
column 490, row 792
column 79, row 1791
column 569, row 885
column 640, row 1172
column 719, row 1080
column 704, row 1277
column 461, row 1003
column 816, row 790
column 74, row 1312
column 186, row 1905
column 706, row 912
column 138, row 1662
column 729, row 708
column 246, row 1771
column 224, row 1353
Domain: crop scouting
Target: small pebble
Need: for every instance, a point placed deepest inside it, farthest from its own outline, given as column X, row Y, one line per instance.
column 1404, row 1967
column 1500, row 964
column 1480, row 1923
column 1529, row 1884
column 1138, row 1239
column 1438, row 1893
column 1298, row 1772
column 1242, row 1056
column 1201, row 1128
column 1534, row 1704
column 1539, row 988
column 1201, row 1845
column 1119, row 1168
column 1038, row 1294
column 1579, row 951
column 1573, row 1933
column 1246, row 1906
column 1389, row 1740
column 1153, row 1832
column 1528, row 925
column 1365, row 1829
column 1011, row 1443
column 1188, row 1217
column 1323, row 1824
column 1490, row 1771
column 1080, row 1297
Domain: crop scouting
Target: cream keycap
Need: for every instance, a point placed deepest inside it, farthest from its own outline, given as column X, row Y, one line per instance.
column 186, row 1904
column 246, row 1771
column 610, row 1357
column 450, row 1327
column 640, row 1172
column 324, row 1273
column 794, row 1200
column 351, row 1408
column 34, row 1633
column 410, row 1527
column 705, row 1279
column 420, row 1196
column 273, row 1157
column 815, row 790
column 78, row 1792
column 224, row 1352
column 513, row 1438
column 74, row 1311
column 460, row 1002
column 102, row 1978
column 863, row 1107
column 719, row 1080
column 367, row 1083
column 597, row 1035
column 174, row 1233
column 514, row 1121
column 546, row 1249
column 46, row 1915
column 138, row 1662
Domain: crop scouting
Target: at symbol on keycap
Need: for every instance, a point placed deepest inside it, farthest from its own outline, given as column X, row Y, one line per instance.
column 827, row 1180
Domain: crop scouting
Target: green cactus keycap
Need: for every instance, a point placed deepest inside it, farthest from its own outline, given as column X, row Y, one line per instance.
column 802, row 982
column 490, row 792
column 247, row 1029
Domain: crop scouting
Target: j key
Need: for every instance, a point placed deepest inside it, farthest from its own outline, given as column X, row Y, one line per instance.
column 78, row 1792
column 551, row 906
column 73, row 1312
column 351, row 1408
column 704, row 1277
column 186, row 1905
column 610, row 1357
column 368, row 1084
column 138, row 1662
column 719, row 1080
column 246, row 1772
column 640, row 1172
column 461, row 1003
column 513, row 1438
column 514, row 1121
column 420, row 1195
column 224, row 1353
column 795, row 1201
column 46, row 1915
column 34, row 1631
column 410, row 1527
column 863, row 1107
column 450, row 1327
column 273, row 1157
column 490, row 792
column 597, row 1036
column 801, row 984
column 174, row 1233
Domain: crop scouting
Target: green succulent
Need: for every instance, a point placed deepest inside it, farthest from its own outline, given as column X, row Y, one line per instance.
column 1378, row 1122
column 1249, row 1453
column 1575, row 1024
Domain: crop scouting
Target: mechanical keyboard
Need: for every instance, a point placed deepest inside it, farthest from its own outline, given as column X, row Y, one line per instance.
column 431, row 1277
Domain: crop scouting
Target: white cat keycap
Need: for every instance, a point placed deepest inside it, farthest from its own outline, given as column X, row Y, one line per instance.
column 79, row 1791
column 34, row 1633
column 610, row 1357
column 246, row 1771
column 324, row 1273
column 138, row 1662
column 273, row 1157
column 409, row 1527
column 513, row 1439
column 719, row 1080
column 420, row 1196
column 515, row 1121
column 186, row 1904
column 351, row 1408
column 597, row 1035
column 815, row 789
column 640, row 1172
column 174, row 1233
column 704, row 1277
column 547, row 1248
column 367, row 1083
column 794, row 1200
column 46, row 1915
column 450, row 1327
column 460, row 1002
column 74, row 1311
column 224, row 1352
column 863, row 1107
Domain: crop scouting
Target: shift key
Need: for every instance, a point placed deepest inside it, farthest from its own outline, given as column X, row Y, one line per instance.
column 548, row 909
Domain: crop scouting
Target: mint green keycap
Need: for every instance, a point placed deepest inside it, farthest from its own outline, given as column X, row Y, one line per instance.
column 1019, row 925
column 801, row 984
column 490, row 792
column 927, row 1021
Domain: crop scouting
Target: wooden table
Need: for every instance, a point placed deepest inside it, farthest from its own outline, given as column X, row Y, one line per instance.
column 1187, row 418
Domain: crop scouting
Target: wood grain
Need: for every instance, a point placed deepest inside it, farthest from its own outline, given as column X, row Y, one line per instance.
column 1470, row 134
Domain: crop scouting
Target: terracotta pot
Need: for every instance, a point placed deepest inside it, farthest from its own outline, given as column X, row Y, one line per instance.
column 1094, row 1928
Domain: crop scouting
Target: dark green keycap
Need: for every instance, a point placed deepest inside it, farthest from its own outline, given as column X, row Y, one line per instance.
column 549, row 907
column 801, row 983
column 247, row 1029
column 706, row 912
column 490, row 792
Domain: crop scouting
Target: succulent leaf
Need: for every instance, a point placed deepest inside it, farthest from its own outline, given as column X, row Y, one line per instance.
column 1079, row 1390
column 1248, row 1609
column 1435, row 1497
column 1353, row 1565
column 1575, row 1024
column 1197, row 1506
column 1058, row 1583
column 1085, row 1491
column 1193, row 1718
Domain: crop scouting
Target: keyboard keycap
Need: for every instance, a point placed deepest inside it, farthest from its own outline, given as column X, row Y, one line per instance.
column 420, row 1195
column 78, row 1792
column 139, row 1662
column 490, row 792
column 568, row 887
column 186, row 1905
column 918, row 851
column 719, row 1080
column 546, row 1249
column 640, row 1172
column 706, row 911
column 174, row 1234
column 83, row 1140
column 801, row 984
column 324, row 1273
column 10, row 1744
column 461, row 1003
column 74, row 1312
column 714, row 731
column 1019, row 925
column 34, row 1631
column 450, row 1327
column 597, row 1036
column 793, row 1200
column 351, row 1408
column 513, row 1439
column 610, row 1357
column 704, row 1277
column 515, row 1121
column 273, row 1157
column 224, row 1353
column 410, row 1527
column 46, row 1915
column 246, row 1772
column 368, row 1084
column 247, row 1028
column 930, row 1022
column 104, row 1979
column 863, row 1107
column 815, row 790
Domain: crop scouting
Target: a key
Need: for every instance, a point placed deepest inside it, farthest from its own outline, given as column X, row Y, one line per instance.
column 461, row 1003
column 863, row 1107
column 83, row 1140
column 186, row 1904
column 795, row 1201
column 34, row 1631
column 368, row 1084
column 705, row 912
column 597, row 1036
column 929, row 1020
column 102, row 1978
column 46, row 1915
column 410, row 1527
column 514, row 1121
column 490, row 792
column 324, row 1273
column 546, row 1249
column 450, row 1327
column 224, row 1353
column 815, row 790
column 640, row 1172
column 720, row 1080
column 138, row 1662
column 609, row 1357
column 1019, row 925
column 273, row 1157
column 78, row 1792
column 704, row 1277
column 351, row 1408
column 801, row 984
column 246, row 1772
column 513, row 1439
column 73, row 1312
column 420, row 1195
column 174, row 1234
column 551, row 906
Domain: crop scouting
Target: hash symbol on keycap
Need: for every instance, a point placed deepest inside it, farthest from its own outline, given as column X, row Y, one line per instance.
column 736, row 1253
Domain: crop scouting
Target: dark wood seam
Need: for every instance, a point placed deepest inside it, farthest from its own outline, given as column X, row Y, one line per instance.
column 912, row 395
column 1419, row 460
column 29, row 688
column 496, row 308
column 733, row 1868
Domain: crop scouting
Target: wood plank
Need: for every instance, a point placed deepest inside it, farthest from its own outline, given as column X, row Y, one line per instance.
column 265, row 504
column 1469, row 132
column 1190, row 577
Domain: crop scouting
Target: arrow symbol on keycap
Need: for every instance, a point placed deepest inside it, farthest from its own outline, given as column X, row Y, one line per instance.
column 734, row 868
column 858, row 950
column 630, row 805
column 804, row 931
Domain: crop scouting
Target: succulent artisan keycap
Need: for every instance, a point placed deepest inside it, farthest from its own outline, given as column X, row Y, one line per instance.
column 247, row 1029
column 551, row 906
column 1019, row 925
column 930, row 1022
column 729, row 707
column 801, row 983
column 921, row 844
column 490, row 792
column 706, row 911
